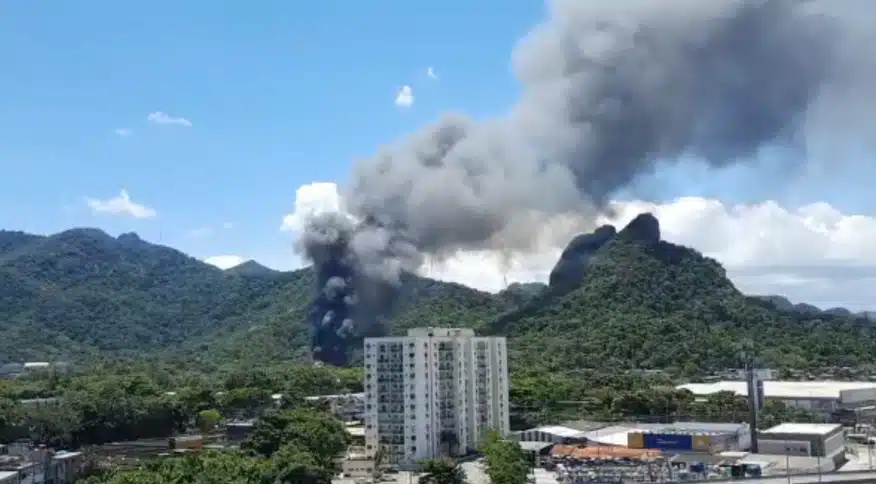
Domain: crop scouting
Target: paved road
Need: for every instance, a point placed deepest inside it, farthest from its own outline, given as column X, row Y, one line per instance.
column 475, row 474
column 833, row 477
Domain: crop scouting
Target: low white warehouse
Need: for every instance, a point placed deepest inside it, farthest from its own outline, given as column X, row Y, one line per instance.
column 819, row 396
column 808, row 440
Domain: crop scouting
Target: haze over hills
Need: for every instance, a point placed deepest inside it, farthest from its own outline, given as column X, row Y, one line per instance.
column 637, row 301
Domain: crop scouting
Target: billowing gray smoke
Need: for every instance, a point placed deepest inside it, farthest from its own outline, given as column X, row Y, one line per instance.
column 610, row 90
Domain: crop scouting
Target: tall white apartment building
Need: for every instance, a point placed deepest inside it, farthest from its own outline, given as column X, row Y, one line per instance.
column 434, row 392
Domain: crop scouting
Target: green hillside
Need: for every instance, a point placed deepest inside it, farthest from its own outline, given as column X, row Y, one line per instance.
column 278, row 325
column 659, row 305
column 640, row 303
column 82, row 293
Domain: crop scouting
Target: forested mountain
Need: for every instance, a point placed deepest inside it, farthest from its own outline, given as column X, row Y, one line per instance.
column 659, row 305
column 83, row 292
column 252, row 268
column 783, row 303
column 632, row 301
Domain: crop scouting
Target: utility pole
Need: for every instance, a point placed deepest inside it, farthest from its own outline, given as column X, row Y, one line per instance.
column 869, row 450
column 753, row 399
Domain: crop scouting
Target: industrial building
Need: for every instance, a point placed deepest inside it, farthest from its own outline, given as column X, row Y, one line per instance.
column 691, row 437
column 553, row 434
column 821, row 397
column 676, row 437
column 237, row 431
column 22, row 464
column 434, row 392
column 801, row 439
column 346, row 406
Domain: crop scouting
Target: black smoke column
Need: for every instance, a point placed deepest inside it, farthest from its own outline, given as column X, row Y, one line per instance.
column 610, row 93
column 355, row 293
column 330, row 313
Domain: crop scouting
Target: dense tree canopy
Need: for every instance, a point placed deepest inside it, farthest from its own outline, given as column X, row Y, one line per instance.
column 442, row 471
column 126, row 403
column 505, row 461
column 231, row 340
column 166, row 344
column 85, row 295
column 663, row 306
column 298, row 446
column 207, row 468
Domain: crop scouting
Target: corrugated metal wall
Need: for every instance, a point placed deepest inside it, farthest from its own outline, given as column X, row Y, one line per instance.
column 668, row 441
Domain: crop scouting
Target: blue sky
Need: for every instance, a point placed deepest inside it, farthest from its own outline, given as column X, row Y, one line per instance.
column 277, row 93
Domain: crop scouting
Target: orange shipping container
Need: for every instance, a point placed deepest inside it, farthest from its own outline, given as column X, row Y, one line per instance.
column 635, row 440
column 701, row 443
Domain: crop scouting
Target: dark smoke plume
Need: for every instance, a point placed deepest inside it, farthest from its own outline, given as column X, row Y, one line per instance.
column 609, row 91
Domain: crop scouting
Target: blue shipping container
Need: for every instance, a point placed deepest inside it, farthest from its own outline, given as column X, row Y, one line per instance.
column 668, row 441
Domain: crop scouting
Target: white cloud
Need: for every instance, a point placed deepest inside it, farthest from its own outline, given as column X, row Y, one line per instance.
column 431, row 73
column 123, row 132
column 225, row 261
column 159, row 117
column 813, row 254
column 120, row 205
column 405, row 97
column 310, row 200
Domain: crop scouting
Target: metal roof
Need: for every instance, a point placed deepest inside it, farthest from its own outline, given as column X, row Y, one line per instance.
column 63, row 455
column 352, row 396
column 584, row 425
column 706, row 426
column 801, row 428
column 782, row 389
column 614, row 435
column 531, row 446
column 559, row 431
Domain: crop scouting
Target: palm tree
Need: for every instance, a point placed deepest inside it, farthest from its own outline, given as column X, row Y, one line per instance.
column 442, row 471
